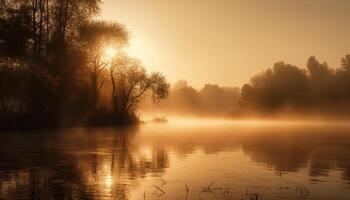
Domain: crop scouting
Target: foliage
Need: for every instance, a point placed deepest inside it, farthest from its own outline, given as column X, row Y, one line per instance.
column 94, row 37
column 26, row 89
column 131, row 83
column 319, row 89
column 53, row 66
column 211, row 100
column 15, row 32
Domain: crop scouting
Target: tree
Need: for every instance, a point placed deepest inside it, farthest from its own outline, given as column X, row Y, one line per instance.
column 95, row 37
column 131, row 83
column 218, row 100
column 283, row 85
column 26, row 89
column 15, row 32
column 345, row 62
column 321, row 81
column 185, row 98
column 342, row 80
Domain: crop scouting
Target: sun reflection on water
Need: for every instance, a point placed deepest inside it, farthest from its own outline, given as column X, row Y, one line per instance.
column 108, row 181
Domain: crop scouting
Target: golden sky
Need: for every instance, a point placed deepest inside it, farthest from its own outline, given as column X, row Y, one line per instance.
column 228, row 41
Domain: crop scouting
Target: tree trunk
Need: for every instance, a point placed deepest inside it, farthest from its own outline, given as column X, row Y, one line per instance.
column 41, row 7
column 34, row 9
column 114, row 98
column 47, row 30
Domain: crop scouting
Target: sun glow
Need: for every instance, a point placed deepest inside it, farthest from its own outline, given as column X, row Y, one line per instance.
column 108, row 181
column 110, row 52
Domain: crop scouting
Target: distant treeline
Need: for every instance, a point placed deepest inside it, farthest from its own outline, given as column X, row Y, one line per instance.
column 55, row 71
column 283, row 89
column 318, row 89
column 211, row 100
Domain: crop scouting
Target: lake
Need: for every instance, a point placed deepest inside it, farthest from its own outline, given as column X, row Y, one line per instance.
column 188, row 159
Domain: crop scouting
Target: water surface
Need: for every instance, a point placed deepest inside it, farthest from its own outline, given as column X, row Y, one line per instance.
column 179, row 160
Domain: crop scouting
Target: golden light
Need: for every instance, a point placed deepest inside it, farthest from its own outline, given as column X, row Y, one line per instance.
column 108, row 181
column 110, row 52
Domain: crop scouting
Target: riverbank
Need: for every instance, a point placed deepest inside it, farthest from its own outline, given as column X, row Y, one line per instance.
column 23, row 122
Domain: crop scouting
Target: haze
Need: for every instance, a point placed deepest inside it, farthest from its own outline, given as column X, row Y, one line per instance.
column 226, row 42
column 175, row 99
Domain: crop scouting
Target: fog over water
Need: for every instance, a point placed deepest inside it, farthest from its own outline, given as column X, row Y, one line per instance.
column 216, row 159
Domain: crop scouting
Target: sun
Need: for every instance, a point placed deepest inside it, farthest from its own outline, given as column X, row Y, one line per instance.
column 110, row 52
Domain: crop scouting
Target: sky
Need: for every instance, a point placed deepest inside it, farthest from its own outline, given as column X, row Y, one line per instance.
column 226, row 42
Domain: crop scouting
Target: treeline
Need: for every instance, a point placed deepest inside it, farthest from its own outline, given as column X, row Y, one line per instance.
column 285, row 88
column 54, row 68
column 210, row 100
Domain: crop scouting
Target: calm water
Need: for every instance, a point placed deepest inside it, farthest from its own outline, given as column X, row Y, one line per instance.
column 213, row 159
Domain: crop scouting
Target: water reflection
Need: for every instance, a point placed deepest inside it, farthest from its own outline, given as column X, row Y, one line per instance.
column 317, row 150
column 77, row 163
column 109, row 163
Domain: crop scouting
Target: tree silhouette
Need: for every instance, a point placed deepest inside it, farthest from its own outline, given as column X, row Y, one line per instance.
column 319, row 89
column 95, row 37
column 345, row 62
column 53, row 66
column 131, row 83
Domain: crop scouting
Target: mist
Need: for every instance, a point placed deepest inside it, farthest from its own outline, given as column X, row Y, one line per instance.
column 177, row 99
column 316, row 91
column 209, row 101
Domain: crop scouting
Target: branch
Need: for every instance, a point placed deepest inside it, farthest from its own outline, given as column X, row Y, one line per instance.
column 137, row 96
column 102, row 82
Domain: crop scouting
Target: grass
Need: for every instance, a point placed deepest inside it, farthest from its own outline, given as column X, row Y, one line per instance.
column 226, row 191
